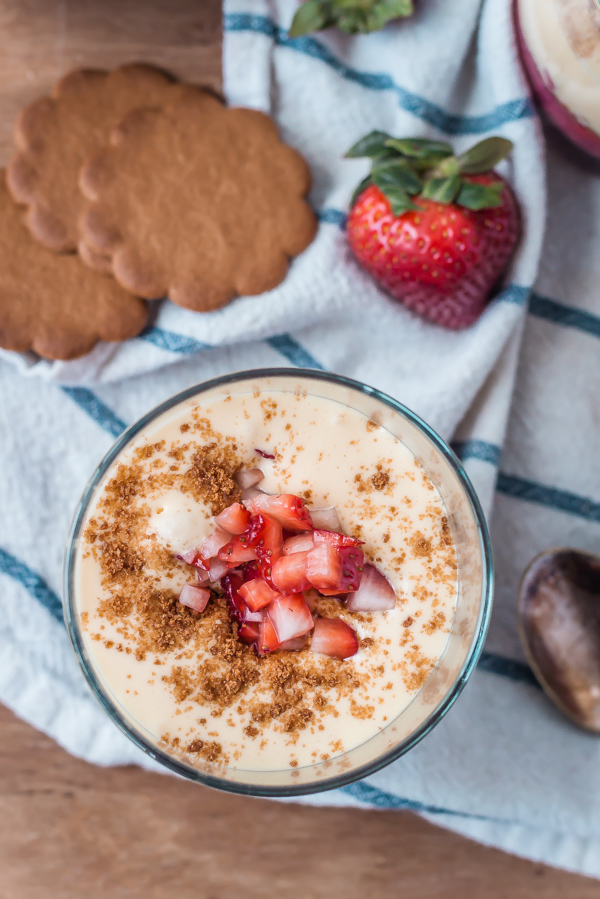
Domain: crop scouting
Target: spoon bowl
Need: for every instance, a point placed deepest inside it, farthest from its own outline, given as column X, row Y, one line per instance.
column 558, row 612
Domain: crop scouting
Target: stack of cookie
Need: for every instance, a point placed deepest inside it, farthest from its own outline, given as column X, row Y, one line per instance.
column 137, row 187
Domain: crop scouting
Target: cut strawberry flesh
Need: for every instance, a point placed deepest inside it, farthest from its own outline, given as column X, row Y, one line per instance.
column 326, row 519
column 248, row 477
column 334, row 638
column 301, row 543
column 248, row 633
column 290, row 617
column 267, row 637
column 336, row 539
column 191, row 556
column 194, row 597
column 257, row 594
column 266, row 538
column 211, row 546
column 324, row 567
column 287, row 509
column 237, row 551
column 217, row 569
column 375, row 593
column 289, row 573
column 294, row 645
column 234, row 519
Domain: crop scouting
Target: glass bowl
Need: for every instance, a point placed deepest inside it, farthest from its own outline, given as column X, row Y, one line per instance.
column 466, row 637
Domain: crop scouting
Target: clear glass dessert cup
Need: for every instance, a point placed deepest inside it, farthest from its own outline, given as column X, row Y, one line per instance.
column 467, row 633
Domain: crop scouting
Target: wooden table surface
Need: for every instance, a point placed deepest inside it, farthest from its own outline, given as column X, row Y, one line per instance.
column 69, row 830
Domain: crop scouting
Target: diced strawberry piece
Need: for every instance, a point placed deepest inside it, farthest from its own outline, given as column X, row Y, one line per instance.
column 333, row 637
column 217, row 569
column 326, row 519
column 247, row 478
column 294, row 645
column 234, row 519
column 333, row 537
column 191, row 556
column 211, row 546
column 237, row 551
column 290, row 617
column 375, row 593
column 289, row 573
column 194, row 597
column 231, row 584
column 324, row 567
column 353, row 561
column 248, row 633
column 287, row 509
column 257, row 594
column 301, row 543
column 265, row 537
column 267, row 638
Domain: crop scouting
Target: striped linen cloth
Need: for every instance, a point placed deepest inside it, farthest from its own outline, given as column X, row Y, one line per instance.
column 502, row 767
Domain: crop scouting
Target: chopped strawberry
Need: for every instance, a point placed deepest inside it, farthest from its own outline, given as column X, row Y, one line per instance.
column 289, row 573
column 326, row 519
column 287, row 509
column 231, row 584
column 249, row 632
column 324, row 567
column 257, row 594
column 333, row 637
column 194, row 597
column 267, row 638
column 191, row 556
column 301, row 543
column 333, row 537
column 234, row 519
column 333, row 570
column 294, row 645
column 211, row 546
column 265, row 537
column 290, row 617
column 237, row 551
column 375, row 593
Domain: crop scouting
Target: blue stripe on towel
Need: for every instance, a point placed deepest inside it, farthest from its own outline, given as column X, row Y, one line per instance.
column 293, row 351
column 96, row 409
column 552, row 497
column 378, row 81
column 33, row 583
column 173, row 342
column 477, row 449
column 567, row 316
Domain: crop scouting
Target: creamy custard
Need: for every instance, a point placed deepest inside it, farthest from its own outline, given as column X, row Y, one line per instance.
column 181, row 676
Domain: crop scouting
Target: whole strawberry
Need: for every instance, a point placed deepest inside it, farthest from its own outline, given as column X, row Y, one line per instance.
column 435, row 230
column 351, row 16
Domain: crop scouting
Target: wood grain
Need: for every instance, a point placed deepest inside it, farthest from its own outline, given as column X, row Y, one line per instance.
column 69, row 830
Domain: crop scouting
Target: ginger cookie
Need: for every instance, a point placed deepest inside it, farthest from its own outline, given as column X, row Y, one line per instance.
column 196, row 202
column 56, row 135
column 52, row 304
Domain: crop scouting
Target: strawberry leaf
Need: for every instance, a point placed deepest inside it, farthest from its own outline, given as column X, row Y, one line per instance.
column 396, row 174
column 485, row 155
column 480, row 196
column 420, row 148
column 359, row 189
column 399, row 200
column 385, row 11
column 442, row 190
column 311, row 16
column 371, row 145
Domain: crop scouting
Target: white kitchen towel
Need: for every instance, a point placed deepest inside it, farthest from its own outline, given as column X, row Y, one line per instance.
column 503, row 766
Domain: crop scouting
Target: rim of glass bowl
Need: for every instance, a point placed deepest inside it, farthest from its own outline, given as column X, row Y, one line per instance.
column 72, row 621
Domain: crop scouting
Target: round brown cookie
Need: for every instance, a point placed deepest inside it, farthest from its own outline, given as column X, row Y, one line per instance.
column 52, row 304
column 56, row 135
column 197, row 202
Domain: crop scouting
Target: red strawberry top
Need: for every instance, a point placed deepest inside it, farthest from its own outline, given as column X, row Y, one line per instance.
column 265, row 555
column 434, row 229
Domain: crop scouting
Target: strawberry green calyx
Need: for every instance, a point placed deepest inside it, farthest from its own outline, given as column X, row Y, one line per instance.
column 351, row 16
column 407, row 168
